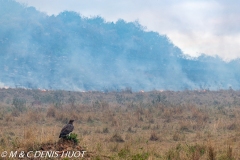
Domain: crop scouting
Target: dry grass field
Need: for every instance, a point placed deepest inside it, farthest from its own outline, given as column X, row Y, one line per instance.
column 187, row 125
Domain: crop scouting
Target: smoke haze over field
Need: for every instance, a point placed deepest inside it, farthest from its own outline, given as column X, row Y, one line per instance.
column 191, row 25
column 70, row 52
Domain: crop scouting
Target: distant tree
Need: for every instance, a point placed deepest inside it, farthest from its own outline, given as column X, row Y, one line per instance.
column 19, row 104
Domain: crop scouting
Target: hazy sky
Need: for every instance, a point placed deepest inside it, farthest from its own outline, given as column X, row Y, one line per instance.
column 196, row 26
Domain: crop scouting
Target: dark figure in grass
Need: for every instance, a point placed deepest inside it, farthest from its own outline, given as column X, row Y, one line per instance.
column 67, row 129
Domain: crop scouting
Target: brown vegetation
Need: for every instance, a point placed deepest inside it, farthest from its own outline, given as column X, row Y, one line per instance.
column 194, row 125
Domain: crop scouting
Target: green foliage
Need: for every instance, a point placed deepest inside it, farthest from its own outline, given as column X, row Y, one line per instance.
column 228, row 155
column 192, row 151
column 197, row 148
column 123, row 153
column 174, row 153
column 97, row 158
column 73, row 137
column 143, row 156
column 16, row 142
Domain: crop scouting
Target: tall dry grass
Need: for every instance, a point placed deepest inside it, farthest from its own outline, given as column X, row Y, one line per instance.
column 128, row 125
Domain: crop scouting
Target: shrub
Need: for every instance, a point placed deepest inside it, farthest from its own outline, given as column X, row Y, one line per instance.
column 154, row 137
column 185, row 126
column 116, row 138
column 123, row 153
column 73, row 137
column 105, row 130
column 228, row 155
column 196, row 151
column 130, row 130
column 143, row 156
column 211, row 153
column 19, row 104
column 90, row 120
column 232, row 126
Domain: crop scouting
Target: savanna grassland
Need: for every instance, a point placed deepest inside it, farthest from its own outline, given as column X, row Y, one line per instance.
column 187, row 125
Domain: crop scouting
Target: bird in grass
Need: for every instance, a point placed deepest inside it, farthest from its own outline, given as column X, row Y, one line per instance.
column 67, row 129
